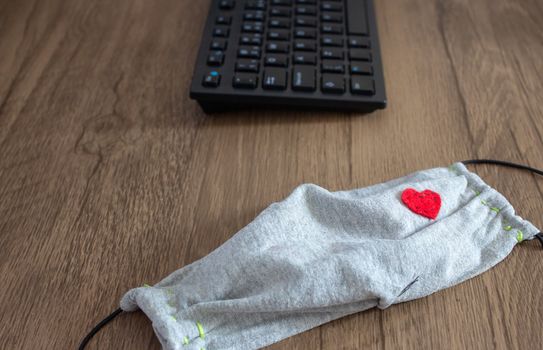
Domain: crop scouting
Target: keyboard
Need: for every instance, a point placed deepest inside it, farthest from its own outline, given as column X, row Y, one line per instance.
column 305, row 53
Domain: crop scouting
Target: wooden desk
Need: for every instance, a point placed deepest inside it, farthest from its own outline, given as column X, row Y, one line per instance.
column 111, row 177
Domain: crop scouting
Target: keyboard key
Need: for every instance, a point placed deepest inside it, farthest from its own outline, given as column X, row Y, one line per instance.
column 331, row 17
column 252, row 27
column 279, row 47
column 250, row 39
column 215, row 58
column 218, row 44
column 227, row 4
column 303, row 78
column 212, row 79
column 281, row 2
column 359, row 42
column 221, row 32
column 255, row 5
column 257, row 16
column 305, row 45
column 245, row 81
column 306, row 2
column 362, row 86
column 306, row 10
column 357, row 21
column 331, row 6
column 359, row 55
column 305, row 33
column 333, row 83
column 334, row 54
column 331, row 29
column 304, row 58
column 247, row 66
column 280, row 12
column 279, row 23
column 332, row 67
column 275, row 79
column 306, row 22
column 222, row 19
column 278, row 35
column 361, row 68
column 249, row 52
column 332, row 41
column 276, row 60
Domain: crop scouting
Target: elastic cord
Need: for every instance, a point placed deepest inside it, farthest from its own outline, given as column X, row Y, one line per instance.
column 99, row 326
column 539, row 236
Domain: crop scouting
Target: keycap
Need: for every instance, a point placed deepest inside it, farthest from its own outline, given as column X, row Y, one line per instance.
column 359, row 55
column 279, row 23
column 212, row 79
column 221, row 32
column 306, row 2
column 331, row 17
column 331, row 41
column 362, row 86
column 361, row 68
column 359, row 42
column 305, row 45
column 226, row 4
column 274, row 79
column 328, row 66
column 255, row 5
column 280, row 12
column 276, row 60
column 281, row 2
column 304, row 58
column 305, row 33
column 306, row 22
column 249, row 52
column 331, row 28
column 222, row 19
column 306, row 10
column 303, row 78
column 330, row 53
column 245, row 81
column 331, row 6
column 251, row 39
column 215, row 58
column 218, row 44
column 278, row 35
column 279, row 47
column 252, row 27
column 247, row 66
column 257, row 16
column 333, row 83
column 357, row 20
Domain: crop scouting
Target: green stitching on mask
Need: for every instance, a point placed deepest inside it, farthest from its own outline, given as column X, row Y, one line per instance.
column 507, row 228
column 185, row 340
column 497, row 210
column 484, row 202
column 520, row 236
column 146, row 285
column 200, row 330
column 173, row 317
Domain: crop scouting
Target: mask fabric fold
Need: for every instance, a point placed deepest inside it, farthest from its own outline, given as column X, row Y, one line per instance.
column 318, row 255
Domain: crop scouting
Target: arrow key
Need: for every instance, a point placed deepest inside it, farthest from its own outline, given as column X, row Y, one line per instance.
column 333, row 83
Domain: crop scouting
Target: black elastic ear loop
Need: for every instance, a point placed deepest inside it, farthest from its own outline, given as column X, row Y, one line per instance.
column 99, row 326
column 539, row 236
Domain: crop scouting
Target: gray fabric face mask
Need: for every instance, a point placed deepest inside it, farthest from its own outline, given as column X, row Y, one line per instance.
column 319, row 255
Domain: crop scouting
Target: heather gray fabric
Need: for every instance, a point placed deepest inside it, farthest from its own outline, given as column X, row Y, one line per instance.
column 320, row 255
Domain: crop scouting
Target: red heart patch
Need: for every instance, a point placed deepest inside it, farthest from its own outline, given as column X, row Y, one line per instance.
column 426, row 203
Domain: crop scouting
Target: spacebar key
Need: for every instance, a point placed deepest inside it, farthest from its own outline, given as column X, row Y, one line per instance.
column 357, row 18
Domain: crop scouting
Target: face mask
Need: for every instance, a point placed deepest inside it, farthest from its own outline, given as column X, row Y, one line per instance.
column 319, row 255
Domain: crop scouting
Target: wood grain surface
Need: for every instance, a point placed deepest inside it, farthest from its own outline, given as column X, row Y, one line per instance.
column 111, row 177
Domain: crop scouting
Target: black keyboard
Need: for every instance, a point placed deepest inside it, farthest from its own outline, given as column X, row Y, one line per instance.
column 308, row 53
